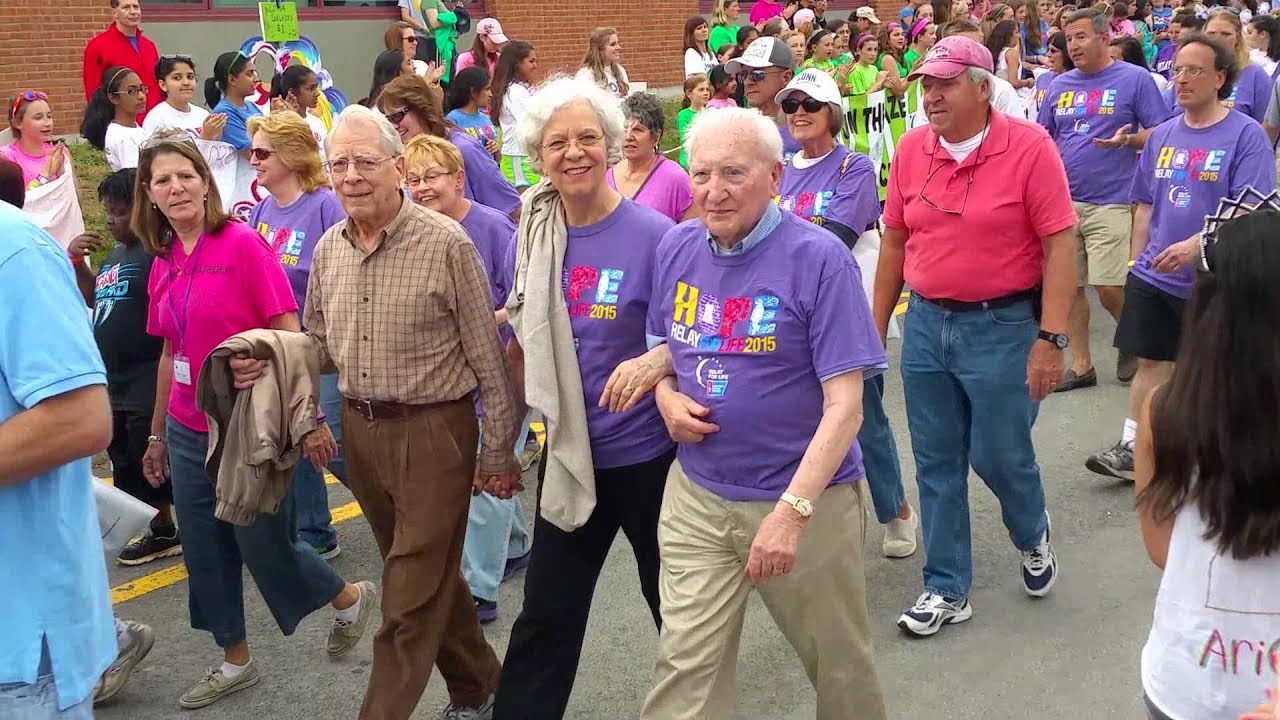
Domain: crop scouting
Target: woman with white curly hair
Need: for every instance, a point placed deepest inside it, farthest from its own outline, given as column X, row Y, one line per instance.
column 582, row 273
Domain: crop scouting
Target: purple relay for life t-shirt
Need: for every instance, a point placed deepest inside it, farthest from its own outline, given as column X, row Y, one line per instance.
column 607, row 281
column 485, row 182
column 493, row 234
column 821, row 193
column 293, row 231
column 1080, row 108
column 752, row 337
column 1183, row 174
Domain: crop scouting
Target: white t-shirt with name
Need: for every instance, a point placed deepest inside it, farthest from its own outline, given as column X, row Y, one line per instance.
column 610, row 80
column 1217, row 621
column 317, row 129
column 165, row 116
column 122, row 144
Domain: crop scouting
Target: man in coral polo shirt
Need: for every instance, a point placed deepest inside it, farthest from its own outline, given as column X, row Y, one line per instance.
column 122, row 44
column 979, row 223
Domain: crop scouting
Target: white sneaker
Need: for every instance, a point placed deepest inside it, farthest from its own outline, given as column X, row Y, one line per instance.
column 931, row 612
column 1040, row 567
column 900, row 536
column 483, row 711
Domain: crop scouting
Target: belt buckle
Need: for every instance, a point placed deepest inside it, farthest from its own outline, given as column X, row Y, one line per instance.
column 365, row 408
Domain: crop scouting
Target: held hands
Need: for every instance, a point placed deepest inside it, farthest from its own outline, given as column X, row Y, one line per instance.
column 319, row 446
column 1119, row 140
column 213, row 127
column 1044, row 369
column 155, row 464
column 773, row 551
column 502, row 485
column 1177, row 256
column 246, row 370
column 682, row 415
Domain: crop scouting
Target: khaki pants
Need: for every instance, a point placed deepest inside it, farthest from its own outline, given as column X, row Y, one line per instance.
column 821, row 606
column 412, row 477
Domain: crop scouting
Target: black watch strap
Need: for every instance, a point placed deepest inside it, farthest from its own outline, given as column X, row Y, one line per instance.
column 1058, row 340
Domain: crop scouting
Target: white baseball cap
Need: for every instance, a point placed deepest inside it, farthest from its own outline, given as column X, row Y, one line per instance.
column 867, row 13
column 821, row 87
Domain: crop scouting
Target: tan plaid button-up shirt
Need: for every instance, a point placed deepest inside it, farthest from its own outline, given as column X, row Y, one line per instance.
column 412, row 321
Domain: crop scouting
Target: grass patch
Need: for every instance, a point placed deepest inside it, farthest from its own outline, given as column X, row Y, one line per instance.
column 90, row 168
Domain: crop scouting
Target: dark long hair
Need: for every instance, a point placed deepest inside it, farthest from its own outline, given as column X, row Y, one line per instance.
column 504, row 73
column 293, row 77
column 385, row 69
column 1058, row 41
column 1214, row 424
column 465, row 85
column 1131, row 51
column 227, row 65
column 99, row 113
column 998, row 38
column 1270, row 26
column 690, row 26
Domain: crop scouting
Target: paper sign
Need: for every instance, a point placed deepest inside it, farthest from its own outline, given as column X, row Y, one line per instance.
column 279, row 21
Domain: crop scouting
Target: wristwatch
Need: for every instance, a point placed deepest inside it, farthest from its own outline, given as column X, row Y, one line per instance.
column 1059, row 340
column 802, row 506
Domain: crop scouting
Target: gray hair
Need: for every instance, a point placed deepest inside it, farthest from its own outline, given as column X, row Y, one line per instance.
column 978, row 75
column 387, row 133
column 559, row 93
column 1101, row 23
column 747, row 122
column 646, row 110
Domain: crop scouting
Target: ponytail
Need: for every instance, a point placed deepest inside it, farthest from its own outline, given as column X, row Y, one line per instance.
column 290, row 80
column 99, row 113
column 228, row 64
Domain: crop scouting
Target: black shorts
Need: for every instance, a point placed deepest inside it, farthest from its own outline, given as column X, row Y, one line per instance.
column 130, row 431
column 1150, row 325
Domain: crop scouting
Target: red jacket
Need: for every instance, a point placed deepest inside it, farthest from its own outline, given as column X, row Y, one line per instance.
column 112, row 47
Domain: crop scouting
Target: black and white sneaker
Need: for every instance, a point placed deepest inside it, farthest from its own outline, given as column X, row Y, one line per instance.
column 931, row 612
column 1116, row 461
column 1040, row 567
column 151, row 546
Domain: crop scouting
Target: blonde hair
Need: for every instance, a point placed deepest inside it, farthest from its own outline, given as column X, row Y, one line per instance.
column 426, row 149
column 149, row 224
column 1241, row 49
column 596, row 61
column 295, row 145
column 720, row 16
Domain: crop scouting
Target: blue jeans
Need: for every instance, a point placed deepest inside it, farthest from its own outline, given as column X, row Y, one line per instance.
column 964, row 377
column 39, row 700
column 495, row 533
column 880, row 453
column 292, row 578
column 315, row 524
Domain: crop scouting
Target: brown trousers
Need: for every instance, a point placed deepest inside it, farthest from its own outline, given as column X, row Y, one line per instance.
column 412, row 477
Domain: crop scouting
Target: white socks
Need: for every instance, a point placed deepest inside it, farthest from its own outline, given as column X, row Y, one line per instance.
column 122, row 635
column 231, row 671
column 352, row 613
column 1130, row 432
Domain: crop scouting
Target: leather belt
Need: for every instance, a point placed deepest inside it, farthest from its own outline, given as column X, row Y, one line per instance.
column 388, row 410
column 973, row 305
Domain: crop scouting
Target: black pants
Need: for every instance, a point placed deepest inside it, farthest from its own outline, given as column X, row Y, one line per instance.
column 546, row 641
column 130, row 430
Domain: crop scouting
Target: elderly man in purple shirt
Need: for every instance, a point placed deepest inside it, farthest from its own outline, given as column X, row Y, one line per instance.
column 770, row 337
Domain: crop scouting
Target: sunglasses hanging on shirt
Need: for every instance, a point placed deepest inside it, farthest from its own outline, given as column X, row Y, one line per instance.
column 1230, row 209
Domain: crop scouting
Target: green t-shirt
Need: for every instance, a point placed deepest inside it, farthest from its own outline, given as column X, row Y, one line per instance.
column 684, row 119
column 721, row 35
column 861, row 78
column 902, row 71
column 910, row 59
column 827, row 66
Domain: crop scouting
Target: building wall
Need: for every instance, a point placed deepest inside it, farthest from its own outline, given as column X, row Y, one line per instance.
column 52, row 62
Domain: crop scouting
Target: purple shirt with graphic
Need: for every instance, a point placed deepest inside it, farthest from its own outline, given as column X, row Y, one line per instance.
column 789, row 145
column 1164, row 60
column 485, row 182
column 1249, row 95
column 607, row 281
column 666, row 189
column 293, row 231
column 1080, row 108
column 1043, row 80
column 1183, row 174
column 822, row 193
column 752, row 337
column 493, row 234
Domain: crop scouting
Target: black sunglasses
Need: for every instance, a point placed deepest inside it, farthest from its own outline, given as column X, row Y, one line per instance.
column 262, row 153
column 397, row 116
column 810, row 105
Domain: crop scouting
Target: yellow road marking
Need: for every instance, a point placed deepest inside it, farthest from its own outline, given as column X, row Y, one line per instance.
column 177, row 573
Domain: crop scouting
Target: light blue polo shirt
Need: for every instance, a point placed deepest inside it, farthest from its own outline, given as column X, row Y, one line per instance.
column 51, row 556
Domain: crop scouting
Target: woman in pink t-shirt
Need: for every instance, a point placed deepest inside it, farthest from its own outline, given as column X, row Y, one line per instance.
column 213, row 278
column 31, row 122
column 488, row 45
column 763, row 10
column 644, row 174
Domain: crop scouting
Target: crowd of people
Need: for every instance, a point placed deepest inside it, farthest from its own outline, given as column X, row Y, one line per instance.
column 474, row 246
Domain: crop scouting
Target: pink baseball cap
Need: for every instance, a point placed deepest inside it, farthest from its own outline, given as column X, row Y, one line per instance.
column 952, row 56
column 492, row 29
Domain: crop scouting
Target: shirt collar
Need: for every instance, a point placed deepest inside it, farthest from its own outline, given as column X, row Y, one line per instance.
column 996, row 141
column 390, row 232
column 764, row 227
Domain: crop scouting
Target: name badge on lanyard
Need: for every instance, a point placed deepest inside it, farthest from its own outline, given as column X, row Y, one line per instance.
column 181, row 365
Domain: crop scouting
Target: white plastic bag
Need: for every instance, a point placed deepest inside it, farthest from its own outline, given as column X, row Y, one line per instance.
column 121, row 517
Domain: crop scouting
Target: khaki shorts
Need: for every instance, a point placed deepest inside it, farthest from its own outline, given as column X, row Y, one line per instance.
column 1102, row 244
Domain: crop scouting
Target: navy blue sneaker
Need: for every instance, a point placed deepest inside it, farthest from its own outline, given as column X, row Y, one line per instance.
column 1040, row 567
column 486, row 610
column 931, row 612
column 516, row 564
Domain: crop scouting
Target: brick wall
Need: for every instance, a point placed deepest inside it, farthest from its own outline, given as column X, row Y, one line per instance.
column 52, row 63
column 651, row 33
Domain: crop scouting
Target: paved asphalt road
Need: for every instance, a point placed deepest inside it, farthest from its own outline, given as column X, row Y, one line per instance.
column 1073, row 655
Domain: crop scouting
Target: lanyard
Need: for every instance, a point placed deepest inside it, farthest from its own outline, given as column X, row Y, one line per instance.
column 188, row 268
